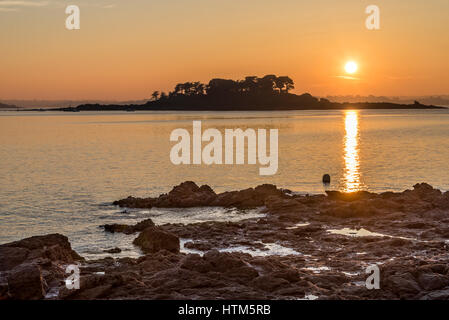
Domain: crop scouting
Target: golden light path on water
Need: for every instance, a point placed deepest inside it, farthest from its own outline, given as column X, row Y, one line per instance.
column 351, row 153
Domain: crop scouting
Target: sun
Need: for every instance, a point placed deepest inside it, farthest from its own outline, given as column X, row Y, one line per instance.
column 351, row 67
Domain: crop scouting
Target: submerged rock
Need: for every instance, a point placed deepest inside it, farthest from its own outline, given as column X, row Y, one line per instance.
column 127, row 229
column 114, row 250
column 326, row 179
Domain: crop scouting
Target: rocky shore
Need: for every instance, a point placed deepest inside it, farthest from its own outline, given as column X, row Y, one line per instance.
column 304, row 247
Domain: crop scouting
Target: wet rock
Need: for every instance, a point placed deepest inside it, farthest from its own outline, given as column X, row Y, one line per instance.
column 4, row 288
column 12, row 256
column 26, row 283
column 53, row 247
column 127, row 229
column 222, row 261
column 278, row 205
column 351, row 196
column 437, row 232
column 226, row 263
column 433, row 281
column 113, row 250
column 426, row 192
column 112, row 228
column 93, row 287
column 396, row 242
column 435, row 268
column 201, row 246
column 443, row 201
column 155, row 239
column 132, row 202
column 329, row 281
column 195, row 262
column 435, row 214
column 308, row 230
column 403, row 285
column 350, row 210
column 291, row 275
column 32, row 264
column 248, row 198
column 269, row 283
column 437, row 295
column 188, row 194
column 326, row 179
column 415, row 225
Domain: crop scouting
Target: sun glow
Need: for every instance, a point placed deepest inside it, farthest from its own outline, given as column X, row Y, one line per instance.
column 351, row 67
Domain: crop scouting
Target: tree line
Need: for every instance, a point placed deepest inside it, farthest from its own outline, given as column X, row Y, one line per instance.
column 251, row 85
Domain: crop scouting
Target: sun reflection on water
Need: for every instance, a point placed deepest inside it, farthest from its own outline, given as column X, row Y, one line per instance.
column 351, row 152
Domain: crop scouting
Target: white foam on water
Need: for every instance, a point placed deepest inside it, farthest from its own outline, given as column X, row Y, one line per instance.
column 52, row 293
column 185, row 250
column 270, row 249
column 198, row 214
column 355, row 233
column 92, row 245
column 309, row 297
column 366, row 233
column 298, row 225
column 359, row 283
column 317, row 269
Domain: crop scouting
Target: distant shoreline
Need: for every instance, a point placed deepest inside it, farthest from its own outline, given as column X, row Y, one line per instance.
column 228, row 100
column 320, row 106
column 268, row 93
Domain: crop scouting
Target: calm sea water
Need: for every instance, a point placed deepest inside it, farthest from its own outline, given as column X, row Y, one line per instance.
column 59, row 172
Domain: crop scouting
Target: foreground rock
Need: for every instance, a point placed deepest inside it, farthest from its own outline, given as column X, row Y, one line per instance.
column 153, row 239
column 31, row 266
column 304, row 246
column 188, row 194
column 222, row 275
column 26, row 282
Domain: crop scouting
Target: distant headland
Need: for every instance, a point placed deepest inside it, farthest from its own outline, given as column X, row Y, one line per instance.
column 251, row 94
column 5, row 106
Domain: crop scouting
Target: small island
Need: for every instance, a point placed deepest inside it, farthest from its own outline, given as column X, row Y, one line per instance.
column 268, row 93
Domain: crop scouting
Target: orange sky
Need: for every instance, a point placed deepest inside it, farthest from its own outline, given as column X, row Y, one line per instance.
column 127, row 49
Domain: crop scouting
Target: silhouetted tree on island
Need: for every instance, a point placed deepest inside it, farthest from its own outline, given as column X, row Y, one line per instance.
column 253, row 93
column 155, row 95
column 284, row 84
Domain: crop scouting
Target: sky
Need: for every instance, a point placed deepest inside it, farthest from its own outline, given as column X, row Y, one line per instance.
column 126, row 49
